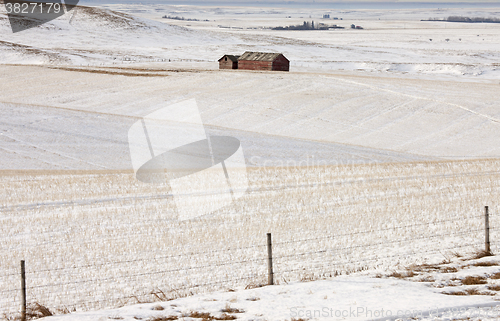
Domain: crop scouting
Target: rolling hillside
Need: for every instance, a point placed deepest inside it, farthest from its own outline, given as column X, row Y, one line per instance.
column 399, row 118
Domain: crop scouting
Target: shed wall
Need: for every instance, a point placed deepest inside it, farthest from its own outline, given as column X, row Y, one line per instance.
column 281, row 64
column 255, row 65
column 229, row 64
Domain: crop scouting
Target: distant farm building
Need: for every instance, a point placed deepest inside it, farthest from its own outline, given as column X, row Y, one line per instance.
column 263, row 61
column 256, row 61
column 228, row 62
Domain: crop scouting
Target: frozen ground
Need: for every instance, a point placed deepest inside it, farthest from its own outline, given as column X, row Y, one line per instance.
column 419, row 297
column 377, row 151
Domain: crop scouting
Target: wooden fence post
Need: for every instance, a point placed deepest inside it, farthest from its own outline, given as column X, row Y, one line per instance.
column 23, row 291
column 270, row 276
column 486, row 230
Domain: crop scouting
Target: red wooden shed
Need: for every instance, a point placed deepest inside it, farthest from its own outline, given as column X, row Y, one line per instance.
column 263, row 61
column 228, row 62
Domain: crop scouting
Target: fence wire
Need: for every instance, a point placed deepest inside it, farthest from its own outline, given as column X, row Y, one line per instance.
column 331, row 259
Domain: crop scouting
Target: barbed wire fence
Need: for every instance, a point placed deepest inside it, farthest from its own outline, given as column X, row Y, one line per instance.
column 94, row 286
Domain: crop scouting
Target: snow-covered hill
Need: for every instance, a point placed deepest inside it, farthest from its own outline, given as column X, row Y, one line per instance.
column 419, row 119
column 89, row 35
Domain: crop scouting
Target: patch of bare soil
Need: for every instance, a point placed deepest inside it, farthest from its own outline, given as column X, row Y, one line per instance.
column 129, row 72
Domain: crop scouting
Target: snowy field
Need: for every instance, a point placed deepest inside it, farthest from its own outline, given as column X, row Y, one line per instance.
column 376, row 152
column 397, row 43
column 417, row 297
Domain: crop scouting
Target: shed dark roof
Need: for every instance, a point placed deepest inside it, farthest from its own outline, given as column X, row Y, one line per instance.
column 259, row 56
column 230, row 57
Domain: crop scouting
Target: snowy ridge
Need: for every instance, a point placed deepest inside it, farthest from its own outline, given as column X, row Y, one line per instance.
column 424, row 118
column 41, row 138
column 89, row 35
